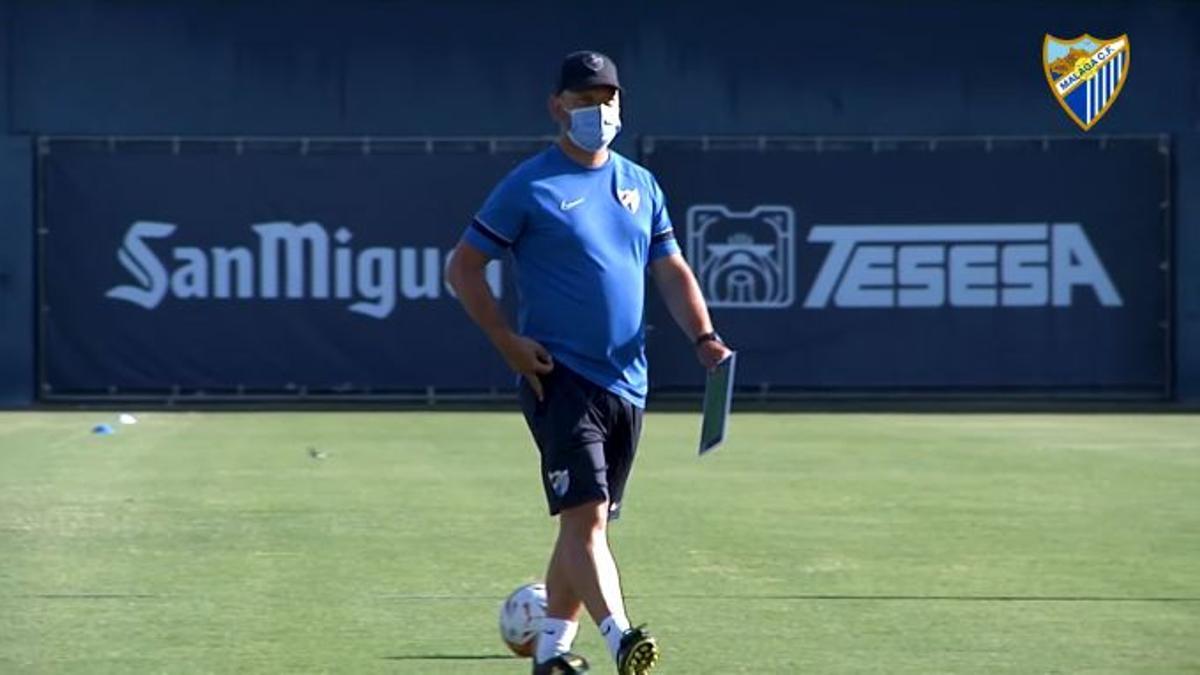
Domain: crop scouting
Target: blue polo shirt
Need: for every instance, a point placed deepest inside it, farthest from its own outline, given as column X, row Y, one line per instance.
column 581, row 239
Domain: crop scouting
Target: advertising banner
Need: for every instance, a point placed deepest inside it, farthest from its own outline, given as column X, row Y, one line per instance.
column 988, row 265
column 277, row 267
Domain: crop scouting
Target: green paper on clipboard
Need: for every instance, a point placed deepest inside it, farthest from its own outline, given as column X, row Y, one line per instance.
column 718, row 395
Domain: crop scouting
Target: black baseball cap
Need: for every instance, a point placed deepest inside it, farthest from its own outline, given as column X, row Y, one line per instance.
column 584, row 69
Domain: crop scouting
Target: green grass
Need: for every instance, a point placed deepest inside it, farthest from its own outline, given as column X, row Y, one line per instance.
column 809, row 544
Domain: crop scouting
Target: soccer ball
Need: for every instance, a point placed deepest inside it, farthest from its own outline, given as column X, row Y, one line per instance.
column 521, row 616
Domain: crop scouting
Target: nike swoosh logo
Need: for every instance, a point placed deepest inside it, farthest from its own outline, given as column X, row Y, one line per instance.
column 568, row 205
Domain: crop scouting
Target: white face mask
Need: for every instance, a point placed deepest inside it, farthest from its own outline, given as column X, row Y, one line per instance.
column 593, row 128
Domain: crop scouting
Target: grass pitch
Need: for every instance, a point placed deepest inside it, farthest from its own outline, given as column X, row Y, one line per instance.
column 217, row 543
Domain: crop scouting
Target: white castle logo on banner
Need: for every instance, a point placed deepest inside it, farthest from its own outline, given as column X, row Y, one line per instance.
column 743, row 259
column 303, row 257
column 984, row 265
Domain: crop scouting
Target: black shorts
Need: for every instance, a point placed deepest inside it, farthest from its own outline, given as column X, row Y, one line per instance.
column 587, row 437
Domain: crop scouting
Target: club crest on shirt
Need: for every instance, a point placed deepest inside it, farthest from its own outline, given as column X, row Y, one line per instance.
column 560, row 481
column 630, row 199
column 1086, row 74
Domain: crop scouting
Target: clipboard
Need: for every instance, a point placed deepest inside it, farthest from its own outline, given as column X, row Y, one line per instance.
column 718, row 395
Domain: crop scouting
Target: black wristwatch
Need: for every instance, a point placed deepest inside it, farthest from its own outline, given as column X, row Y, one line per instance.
column 709, row 337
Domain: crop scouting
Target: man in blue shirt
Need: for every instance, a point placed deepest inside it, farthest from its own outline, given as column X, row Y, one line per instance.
column 583, row 225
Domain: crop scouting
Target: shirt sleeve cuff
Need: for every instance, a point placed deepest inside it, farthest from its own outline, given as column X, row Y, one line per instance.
column 663, row 249
column 479, row 241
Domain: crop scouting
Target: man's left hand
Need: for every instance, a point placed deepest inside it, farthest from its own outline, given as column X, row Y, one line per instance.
column 711, row 353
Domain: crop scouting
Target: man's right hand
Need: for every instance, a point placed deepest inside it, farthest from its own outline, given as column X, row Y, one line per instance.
column 528, row 358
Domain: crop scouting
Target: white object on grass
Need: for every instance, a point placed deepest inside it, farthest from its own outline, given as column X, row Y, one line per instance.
column 521, row 617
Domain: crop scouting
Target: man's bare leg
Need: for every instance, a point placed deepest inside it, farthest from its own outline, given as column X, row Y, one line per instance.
column 582, row 558
column 562, row 611
column 581, row 573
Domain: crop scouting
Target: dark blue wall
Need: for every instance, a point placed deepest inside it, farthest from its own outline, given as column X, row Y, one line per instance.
column 464, row 68
column 16, row 243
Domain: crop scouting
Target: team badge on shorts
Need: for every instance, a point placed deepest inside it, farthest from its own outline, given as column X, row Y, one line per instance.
column 560, row 482
column 629, row 199
column 1086, row 74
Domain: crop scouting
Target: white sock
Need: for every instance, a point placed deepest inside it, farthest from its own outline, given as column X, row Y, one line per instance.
column 555, row 637
column 612, row 629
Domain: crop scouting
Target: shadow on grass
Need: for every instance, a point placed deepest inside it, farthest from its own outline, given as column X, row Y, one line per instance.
column 450, row 657
column 925, row 598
